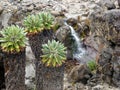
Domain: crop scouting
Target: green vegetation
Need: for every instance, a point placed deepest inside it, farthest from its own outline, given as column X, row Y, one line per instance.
column 92, row 65
column 47, row 20
column 13, row 39
column 33, row 24
column 54, row 53
column 39, row 22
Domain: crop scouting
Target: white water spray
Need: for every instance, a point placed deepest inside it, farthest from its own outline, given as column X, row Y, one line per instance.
column 79, row 50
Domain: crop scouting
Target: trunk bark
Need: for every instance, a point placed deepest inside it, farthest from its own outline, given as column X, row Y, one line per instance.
column 52, row 78
column 35, row 43
column 14, row 65
column 2, row 78
column 37, row 40
column 46, row 78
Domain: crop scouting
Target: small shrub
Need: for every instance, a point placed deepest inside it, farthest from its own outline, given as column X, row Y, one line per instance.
column 33, row 24
column 13, row 39
column 47, row 20
column 54, row 53
column 92, row 65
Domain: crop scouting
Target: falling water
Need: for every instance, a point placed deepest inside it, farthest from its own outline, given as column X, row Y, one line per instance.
column 79, row 51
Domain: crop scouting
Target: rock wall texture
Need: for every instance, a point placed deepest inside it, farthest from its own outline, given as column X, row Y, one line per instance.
column 106, row 29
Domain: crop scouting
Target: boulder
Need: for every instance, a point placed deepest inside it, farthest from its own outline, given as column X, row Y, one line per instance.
column 109, row 4
column 105, row 63
column 63, row 35
column 30, row 69
column 6, row 11
column 106, row 26
column 79, row 73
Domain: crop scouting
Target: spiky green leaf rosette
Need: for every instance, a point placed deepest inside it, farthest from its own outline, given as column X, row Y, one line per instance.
column 13, row 39
column 33, row 24
column 47, row 20
column 54, row 53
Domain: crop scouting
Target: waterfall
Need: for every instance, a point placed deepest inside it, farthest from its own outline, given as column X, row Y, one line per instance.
column 79, row 51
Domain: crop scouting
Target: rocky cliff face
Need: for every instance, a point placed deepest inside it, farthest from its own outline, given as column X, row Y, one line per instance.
column 106, row 29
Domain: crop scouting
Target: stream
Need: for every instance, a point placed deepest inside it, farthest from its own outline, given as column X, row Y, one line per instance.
column 80, row 53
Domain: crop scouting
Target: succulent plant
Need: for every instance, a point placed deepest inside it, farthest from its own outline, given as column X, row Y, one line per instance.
column 47, row 20
column 54, row 53
column 13, row 39
column 33, row 24
column 92, row 65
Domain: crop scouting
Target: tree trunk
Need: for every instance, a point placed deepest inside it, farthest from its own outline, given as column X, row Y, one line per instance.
column 55, row 80
column 38, row 39
column 52, row 78
column 2, row 78
column 15, row 71
column 35, row 43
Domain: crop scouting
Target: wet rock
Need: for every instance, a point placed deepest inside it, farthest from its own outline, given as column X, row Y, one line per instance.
column 79, row 73
column 72, row 21
column 83, row 29
column 77, row 24
column 62, row 33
